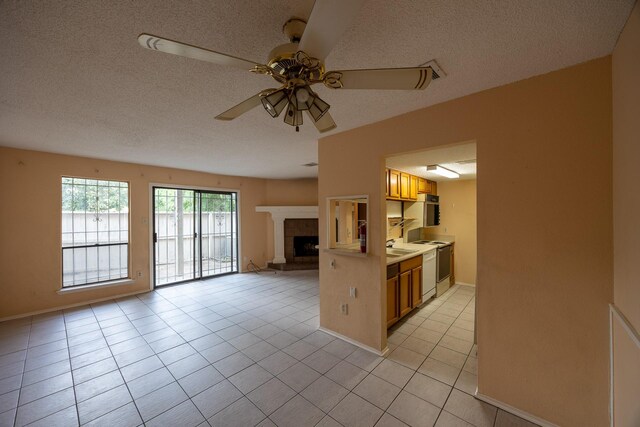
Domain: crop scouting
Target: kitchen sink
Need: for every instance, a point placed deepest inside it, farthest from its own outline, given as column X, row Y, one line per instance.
column 429, row 242
column 399, row 252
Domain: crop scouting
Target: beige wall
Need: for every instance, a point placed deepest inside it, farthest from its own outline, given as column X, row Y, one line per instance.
column 287, row 192
column 626, row 218
column 290, row 192
column 458, row 218
column 30, row 221
column 544, row 281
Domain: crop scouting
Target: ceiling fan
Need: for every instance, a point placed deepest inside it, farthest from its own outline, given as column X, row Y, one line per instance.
column 298, row 65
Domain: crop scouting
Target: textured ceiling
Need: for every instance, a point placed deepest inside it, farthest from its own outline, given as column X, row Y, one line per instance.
column 74, row 80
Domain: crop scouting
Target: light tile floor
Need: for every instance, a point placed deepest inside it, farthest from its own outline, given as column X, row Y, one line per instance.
column 238, row 350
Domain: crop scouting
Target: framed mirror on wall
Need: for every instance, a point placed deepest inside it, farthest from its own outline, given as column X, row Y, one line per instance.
column 347, row 224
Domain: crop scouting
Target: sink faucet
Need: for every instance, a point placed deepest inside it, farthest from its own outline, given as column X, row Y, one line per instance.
column 390, row 243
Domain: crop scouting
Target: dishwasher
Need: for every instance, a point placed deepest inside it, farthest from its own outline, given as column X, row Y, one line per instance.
column 428, row 274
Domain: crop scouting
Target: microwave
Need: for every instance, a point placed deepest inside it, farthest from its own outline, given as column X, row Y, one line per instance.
column 431, row 211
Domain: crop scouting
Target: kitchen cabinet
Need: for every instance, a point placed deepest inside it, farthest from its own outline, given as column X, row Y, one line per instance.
column 386, row 180
column 404, row 299
column 405, row 185
column 432, row 188
column 426, row 186
column 404, row 288
column 392, row 301
column 394, row 184
column 416, row 286
column 413, row 187
column 422, row 186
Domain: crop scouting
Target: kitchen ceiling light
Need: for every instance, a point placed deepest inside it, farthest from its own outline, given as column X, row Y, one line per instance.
column 442, row 171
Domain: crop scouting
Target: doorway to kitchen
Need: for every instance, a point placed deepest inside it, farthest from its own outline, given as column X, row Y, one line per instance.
column 431, row 200
column 195, row 234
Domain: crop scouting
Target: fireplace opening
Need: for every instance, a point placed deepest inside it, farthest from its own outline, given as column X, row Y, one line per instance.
column 305, row 246
column 300, row 241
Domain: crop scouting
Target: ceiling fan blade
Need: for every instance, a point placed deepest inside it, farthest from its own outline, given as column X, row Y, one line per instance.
column 182, row 49
column 238, row 110
column 385, row 78
column 327, row 23
column 324, row 123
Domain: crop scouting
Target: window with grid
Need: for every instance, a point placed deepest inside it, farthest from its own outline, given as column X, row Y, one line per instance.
column 95, row 231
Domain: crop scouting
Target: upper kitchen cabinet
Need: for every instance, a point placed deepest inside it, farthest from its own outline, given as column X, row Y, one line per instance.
column 433, row 188
column 413, row 187
column 404, row 186
column 423, row 185
column 394, row 184
column 386, row 180
column 427, row 187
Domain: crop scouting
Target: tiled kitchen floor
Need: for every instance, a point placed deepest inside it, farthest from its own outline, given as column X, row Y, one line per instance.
column 239, row 350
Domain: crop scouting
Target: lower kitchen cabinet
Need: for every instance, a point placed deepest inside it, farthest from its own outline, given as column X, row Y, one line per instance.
column 392, row 301
column 416, row 286
column 404, row 288
column 405, row 293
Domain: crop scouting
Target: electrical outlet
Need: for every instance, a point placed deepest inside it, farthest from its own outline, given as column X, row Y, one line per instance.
column 139, row 273
column 352, row 291
column 344, row 309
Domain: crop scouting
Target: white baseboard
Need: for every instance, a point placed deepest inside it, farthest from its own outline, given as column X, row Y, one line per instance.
column 466, row 284
column 78, row 304
column 514, row 411
column 354, row 342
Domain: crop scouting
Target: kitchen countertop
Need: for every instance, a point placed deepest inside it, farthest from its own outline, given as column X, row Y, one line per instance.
column 419, row 250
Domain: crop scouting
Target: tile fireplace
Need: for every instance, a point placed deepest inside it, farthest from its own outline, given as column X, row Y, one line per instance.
column 294, row 225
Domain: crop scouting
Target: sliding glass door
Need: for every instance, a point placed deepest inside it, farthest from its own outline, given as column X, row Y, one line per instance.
column 195, row 234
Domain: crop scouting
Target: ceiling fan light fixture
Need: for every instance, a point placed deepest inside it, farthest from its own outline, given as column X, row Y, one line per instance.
column 318, row 108
column 293, row 116
column 275, row 102
column 299, row 64
column 447, row 173
column 303, row 97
